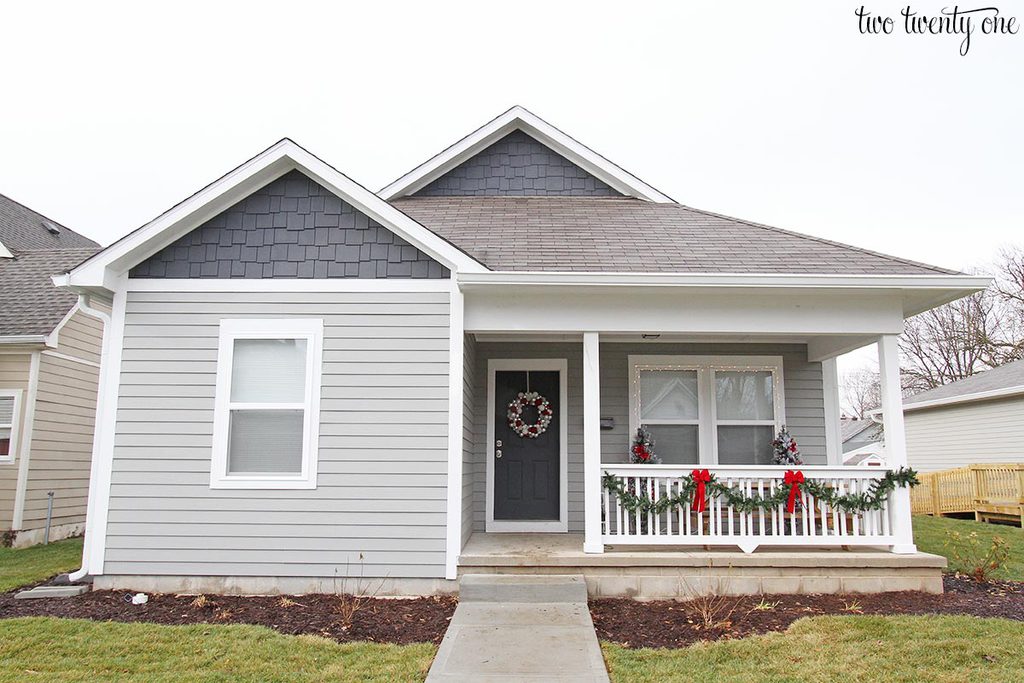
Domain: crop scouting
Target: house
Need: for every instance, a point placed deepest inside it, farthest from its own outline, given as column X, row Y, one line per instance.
column 859, row 432
column 308, row 383
column 49, row 369
column 976, row 420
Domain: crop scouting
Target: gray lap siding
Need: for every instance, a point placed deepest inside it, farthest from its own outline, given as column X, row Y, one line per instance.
column 379, row 507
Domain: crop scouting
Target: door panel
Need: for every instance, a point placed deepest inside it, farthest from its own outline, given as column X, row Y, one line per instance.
column 526, row 476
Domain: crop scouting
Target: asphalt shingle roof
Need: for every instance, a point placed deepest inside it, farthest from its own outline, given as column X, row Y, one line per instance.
column 29, row 303
column 629, row 235
column 1003, row 377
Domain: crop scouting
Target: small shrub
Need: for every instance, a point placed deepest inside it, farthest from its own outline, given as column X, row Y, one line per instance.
column 766, row 606
column 200, row 602
column 971, row 556
column 853, row 606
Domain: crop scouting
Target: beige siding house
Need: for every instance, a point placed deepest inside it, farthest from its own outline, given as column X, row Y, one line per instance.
column 978, row 420
column 49, row 371
column 305, row 382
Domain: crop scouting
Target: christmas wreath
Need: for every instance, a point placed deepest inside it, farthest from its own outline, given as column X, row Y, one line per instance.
column 520, row 426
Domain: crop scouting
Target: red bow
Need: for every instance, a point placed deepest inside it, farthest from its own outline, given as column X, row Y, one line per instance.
column 792, row 479
column 703, row 478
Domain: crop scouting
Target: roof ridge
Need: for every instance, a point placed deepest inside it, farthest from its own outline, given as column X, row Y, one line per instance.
column 822, row 240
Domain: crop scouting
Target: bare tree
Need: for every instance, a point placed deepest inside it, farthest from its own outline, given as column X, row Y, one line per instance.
column 861, row 392
column 969, row 335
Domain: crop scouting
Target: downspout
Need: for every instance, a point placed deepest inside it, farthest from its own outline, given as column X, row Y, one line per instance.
column 84, row 301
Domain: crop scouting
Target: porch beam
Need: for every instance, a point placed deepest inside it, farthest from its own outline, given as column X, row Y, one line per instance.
column 591, row 444
column 895, row 439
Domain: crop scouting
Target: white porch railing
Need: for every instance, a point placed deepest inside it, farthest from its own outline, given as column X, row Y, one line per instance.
column 813, row 523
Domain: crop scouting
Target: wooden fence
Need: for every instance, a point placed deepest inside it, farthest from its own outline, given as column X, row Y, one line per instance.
column 991, row 492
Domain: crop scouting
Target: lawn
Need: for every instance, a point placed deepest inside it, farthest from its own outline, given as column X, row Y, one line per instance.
column 23, row 566
column 846, row 649
column 71, row 650
column 930, row 534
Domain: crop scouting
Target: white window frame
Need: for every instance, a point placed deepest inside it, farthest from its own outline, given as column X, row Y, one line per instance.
column 308, row 329
column 15, row 425
column 706, row 366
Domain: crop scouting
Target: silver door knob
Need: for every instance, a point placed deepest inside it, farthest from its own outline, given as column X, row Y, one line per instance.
column 497, row 454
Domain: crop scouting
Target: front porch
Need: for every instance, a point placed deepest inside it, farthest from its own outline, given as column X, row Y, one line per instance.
column 657, row 572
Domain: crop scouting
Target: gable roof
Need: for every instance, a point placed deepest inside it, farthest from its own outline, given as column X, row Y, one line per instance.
column 850, row 428
column 100, row 271
column 39, row 248
column 622, row 235
column 1004, row 381
column 519, row 118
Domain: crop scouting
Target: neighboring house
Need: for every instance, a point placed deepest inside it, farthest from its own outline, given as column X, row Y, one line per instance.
column 306, row 381
column 859, row 432
column 872, row 454
column 49, row 368
column 975, row 420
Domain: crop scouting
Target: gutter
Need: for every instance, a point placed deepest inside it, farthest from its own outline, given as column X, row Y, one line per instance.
column 84, row 304
column 772, row 280
column 24, row 339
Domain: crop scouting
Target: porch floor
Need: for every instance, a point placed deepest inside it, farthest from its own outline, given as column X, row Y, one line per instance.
column 656, row 572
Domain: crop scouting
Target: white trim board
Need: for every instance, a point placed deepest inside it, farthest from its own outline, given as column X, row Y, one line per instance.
column 311, row 330
column 289, row 285
column 15, row 439
column 519, row 118
column 101, row 270
column 561, row 525
column 456, row 389
column 25, row 447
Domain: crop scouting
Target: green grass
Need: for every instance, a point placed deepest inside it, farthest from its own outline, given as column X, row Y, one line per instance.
column 23, row 566
column 71, row 651
column 843, row 649
column 930, row 535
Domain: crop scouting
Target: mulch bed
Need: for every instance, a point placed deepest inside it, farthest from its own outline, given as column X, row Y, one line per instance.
column 670, row 623
column 382, row 620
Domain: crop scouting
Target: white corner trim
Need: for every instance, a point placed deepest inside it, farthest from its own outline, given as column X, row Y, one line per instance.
column 519, row 118
column 98, row 506
column 100, row 270
column 312, row 331
column 289, row 285
column 562, row 523
column 16, row 427
column 25, row 447
column 456, row 341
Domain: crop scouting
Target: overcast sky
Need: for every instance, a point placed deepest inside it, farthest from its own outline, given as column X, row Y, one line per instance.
column 776, row 112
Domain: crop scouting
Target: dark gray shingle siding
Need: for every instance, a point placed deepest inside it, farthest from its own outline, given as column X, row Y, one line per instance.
column 292, row 228
column 517, row 165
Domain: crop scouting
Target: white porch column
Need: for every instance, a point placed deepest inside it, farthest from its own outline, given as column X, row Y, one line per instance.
column 895, row 439
column 591, row 445
column 833, row 428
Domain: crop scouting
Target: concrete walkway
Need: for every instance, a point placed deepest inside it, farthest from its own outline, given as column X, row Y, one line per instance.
column 520, row 628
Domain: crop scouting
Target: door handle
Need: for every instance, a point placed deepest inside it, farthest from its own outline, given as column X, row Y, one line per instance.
column 497, row 453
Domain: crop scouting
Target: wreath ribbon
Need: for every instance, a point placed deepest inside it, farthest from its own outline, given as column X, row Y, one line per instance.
column 792, row 479
column 703, row 478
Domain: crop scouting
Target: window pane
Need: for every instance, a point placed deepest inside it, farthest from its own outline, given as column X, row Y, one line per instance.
column 676, row 444
column 744, row 395
column 668, row 394
column 741, row 445
column 5, row 441
column 6, row 410
column 269, row 371
column 265, row 441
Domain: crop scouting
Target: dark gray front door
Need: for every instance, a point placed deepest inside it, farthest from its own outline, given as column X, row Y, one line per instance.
column 526, row 485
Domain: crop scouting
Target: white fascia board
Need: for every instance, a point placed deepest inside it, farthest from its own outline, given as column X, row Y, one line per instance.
column 518, row 118
column 744, row 280
column 23, row 339
column 1005, row 392
column 103, row 269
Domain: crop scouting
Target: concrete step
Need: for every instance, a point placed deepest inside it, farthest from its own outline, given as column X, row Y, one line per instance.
column 51, row 592
column 532, row 588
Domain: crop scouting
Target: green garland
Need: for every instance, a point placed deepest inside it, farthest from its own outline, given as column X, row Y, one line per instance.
column 873, row 499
